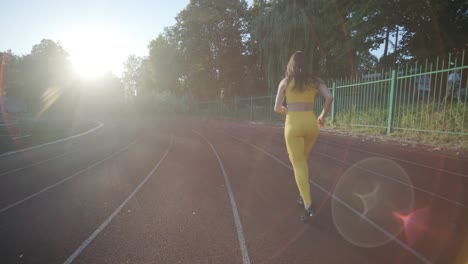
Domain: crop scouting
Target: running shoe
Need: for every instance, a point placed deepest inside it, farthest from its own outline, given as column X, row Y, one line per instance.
column 308, row 213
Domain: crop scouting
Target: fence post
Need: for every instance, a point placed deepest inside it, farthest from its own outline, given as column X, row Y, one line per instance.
column 220, row 108
column 215, row 107
column 270, row 107
column 251, row 108
column 235, row 107
column 390, row 109
column 333, row 103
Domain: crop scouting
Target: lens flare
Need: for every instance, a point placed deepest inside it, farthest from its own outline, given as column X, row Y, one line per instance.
column 369, row 200
column 375, row 188
column 415, row 224
column 50, row 96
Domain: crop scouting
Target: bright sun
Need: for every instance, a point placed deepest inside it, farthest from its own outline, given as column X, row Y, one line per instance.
column 90, row 64
column 94, row 52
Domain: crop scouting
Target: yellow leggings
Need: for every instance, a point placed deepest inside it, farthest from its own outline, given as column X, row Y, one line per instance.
column 301, row 132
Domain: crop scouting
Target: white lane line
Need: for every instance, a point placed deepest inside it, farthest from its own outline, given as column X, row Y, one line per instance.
column 372, row 223
column 53, row 142
column 39, row 163
column 240, row 232
column 20, row 137
column 66, row 179
column 382, row 155
column 402, row 160
column 397, row 181
column 109, row 219
column 457, row 203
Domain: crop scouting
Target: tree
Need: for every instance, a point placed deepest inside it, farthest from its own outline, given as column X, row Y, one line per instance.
column 428, row 28
column 434, row 28
column 210, row 38
column 164, row 62
column 222, row 49
column 35, row 75
column 366, row 62
column 286, row 26
column 11, row 74
column 131, row 75
column 145, row 81
column 255, row 81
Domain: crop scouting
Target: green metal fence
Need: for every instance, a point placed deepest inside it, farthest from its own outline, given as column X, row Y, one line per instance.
column 412, row 97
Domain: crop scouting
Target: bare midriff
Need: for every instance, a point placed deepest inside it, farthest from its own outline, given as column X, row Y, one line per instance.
column 300, row 107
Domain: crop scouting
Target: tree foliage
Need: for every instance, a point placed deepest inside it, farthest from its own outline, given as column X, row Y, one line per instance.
column 204, row 53
column 131, row 74
column 222, row 49
column 44, row 79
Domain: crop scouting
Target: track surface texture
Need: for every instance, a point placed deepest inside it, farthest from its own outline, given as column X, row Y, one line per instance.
column 186, row 190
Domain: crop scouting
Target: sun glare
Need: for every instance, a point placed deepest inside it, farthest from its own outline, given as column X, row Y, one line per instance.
column 87, row 65
column 94, row 52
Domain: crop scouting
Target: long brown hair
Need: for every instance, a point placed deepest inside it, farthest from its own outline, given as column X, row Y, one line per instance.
column 297, row 69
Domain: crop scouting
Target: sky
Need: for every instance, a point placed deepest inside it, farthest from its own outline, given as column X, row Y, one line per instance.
column 98, row 34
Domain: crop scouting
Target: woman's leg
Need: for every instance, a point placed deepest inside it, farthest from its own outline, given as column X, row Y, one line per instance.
column 312, row 133
column 300, row 138
column 309, row 143
column 295, row 146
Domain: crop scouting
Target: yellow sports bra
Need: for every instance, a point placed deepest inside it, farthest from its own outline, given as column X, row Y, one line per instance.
column 306, row 96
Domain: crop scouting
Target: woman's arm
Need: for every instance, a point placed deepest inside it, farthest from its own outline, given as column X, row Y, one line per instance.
column 279, row 108
column 325, row 92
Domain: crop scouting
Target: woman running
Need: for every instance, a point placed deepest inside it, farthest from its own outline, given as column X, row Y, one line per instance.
column 302, row 127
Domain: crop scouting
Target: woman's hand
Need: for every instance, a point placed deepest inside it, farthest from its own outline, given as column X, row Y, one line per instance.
column 284, row 110
column 321, row 120
column 328, row 103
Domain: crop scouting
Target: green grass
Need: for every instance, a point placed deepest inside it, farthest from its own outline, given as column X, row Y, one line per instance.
column 426, row 122
column 433, row 117
column 441, row 124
